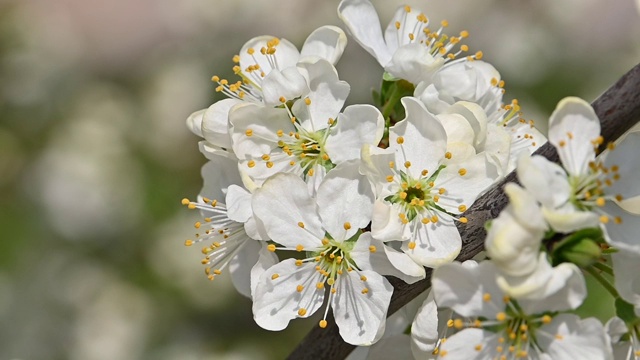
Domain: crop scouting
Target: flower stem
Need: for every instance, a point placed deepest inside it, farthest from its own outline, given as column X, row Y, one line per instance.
column 391, row 102
column 602, row 280
column 603, row 267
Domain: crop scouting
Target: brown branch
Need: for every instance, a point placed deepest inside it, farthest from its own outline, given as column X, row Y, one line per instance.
column 618, row 109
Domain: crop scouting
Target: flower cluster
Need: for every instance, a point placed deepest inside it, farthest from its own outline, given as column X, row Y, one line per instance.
column 352, row 194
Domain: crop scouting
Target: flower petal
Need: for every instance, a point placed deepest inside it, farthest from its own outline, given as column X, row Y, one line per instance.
column 547, row 181
column 286, row 55
column 356, row 126
column 287, row 83
column 573, row 126
column 241, row 264
column 414, row 63
column 363, row 23
column 360, row 307
column 425, row 140
column 345, row 198
column 569, row 337
column 288, row 212
column 217, row 175
column 435, row 243
column 622, row 233
column 372, row 254
column 625, row 157
column 215, row 123
column 276, row 300
column 327, row 42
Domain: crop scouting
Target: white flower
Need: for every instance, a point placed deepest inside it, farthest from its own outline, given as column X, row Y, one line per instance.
column 309, row 138
column 419, row 194
column 223, row 233
column 326, row 229
column 514, row 238
column 409, row 49
column 268, row 72
column 491, row 324
column 506, row 135
column 625, row 267
column 584, row 191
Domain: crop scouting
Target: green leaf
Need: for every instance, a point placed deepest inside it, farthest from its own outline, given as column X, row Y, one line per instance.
column 625, row 311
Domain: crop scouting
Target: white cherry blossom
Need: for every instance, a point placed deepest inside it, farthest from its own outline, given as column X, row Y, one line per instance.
column 308, row 138
column 224, row 233
column 408, row 50
column 585, row 190
column 325, row 228
column 420, row 194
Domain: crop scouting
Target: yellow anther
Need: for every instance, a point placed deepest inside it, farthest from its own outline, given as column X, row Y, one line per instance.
column 269, row 164
column 320, row 285
column 407, row 8
column 298, row 262
column 562, row 143
column 389, row 178
column 188, row 242
column 248, row 132
column 217, row 271
column 447, row 155
column 501, row 316
column 397, row 25
column 302, row 311
column 323, row 323
column 325, row 241
column 486, row 297
column 458, row 324
column 479, row 55
column 251, row 163
column 617, row 220
column 307, row 101
column 271, row 247
column 464, row 48
column 600, row 201
column 444, row 23
column 250, row 51
column 292, row 162
column 185, row 201
column 372, row 248
column 604, row 219
column 191, row 206
column 478, row 347
column 611, row 146
column 215, row 78
column 462, row 172
column 403, row 195
column 275, row 276
column 462, row 208
column 301, row 224
column 347, row 226
column 436, row 198
column 400, row 140
column 463, row 220
column 363, row 278
column 365, row 291
column 407, row 164
column 299, row 248
column 330, row 281
column 282, row 99
column 266, row 157
column 425, row 220
column 197, row 225
column 325, row 157
column 434, row 219
column 411, row 36
column 464, row 34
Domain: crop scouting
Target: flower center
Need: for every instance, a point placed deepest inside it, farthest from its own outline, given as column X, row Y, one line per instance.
column 306, row 149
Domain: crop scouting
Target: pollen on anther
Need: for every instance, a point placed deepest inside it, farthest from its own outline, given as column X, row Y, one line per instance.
column 299, row 248
column 302, row 311
column 412, row 245
column 275, row 276
column 248, row 132
column 486, row 297
column 425, row 220
column 365, row 291
column 447, row 155
column 463, row 220
column 424, row 172
column 251, row 163
column 501, row 316
column 347, row 225
column 372, row 248
column 320, row 285
column 462, row 208
column 301, row 224
column 185, row 201
column 604, row 219
column 323, row 323
column 271, row 247
column 282, row 99
column 407, row 164
column 188, row 242
column 400, row 140
column 307, row 101
column 462, row 172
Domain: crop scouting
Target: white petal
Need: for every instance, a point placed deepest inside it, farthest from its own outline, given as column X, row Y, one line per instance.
column 409, row 24
column 564, row 288
column 287, row 83
column 327, row 42
column 435, row 101
column 385, row 223
column 276, row 300
column 359, row 313
column 569, row 337
column 375, row 165
column 575, row 124
column 215, row 123
column 266, row 259
column 513, row 247
column 625, row 234
column 567, row 219
column 475, row 116
column 241, row 264
column 363, row 23
column 462, row 289
column 436, row 244
column 255, row 229
column 288, row 212
column 263, row 123
column 424, row 330
column 625, row 266
column 425, row 140
column 238, row 203
column 286, row 55
column 356, row 126
column 625, row 156
column 464, row 189
column 462, row 345
column 385, row 260
column 344, row 197
column 414, row 63
column 218, row 174
column 547, row 181
column 326, row 92
column 194, row 122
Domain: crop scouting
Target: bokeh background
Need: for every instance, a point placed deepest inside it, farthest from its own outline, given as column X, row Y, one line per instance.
column 95, row 155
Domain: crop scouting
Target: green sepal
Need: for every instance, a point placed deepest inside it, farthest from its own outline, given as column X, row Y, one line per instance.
column 626, row 312
column 581, row 248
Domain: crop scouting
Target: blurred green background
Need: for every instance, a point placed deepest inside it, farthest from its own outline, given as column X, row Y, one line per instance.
column 95, row 155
